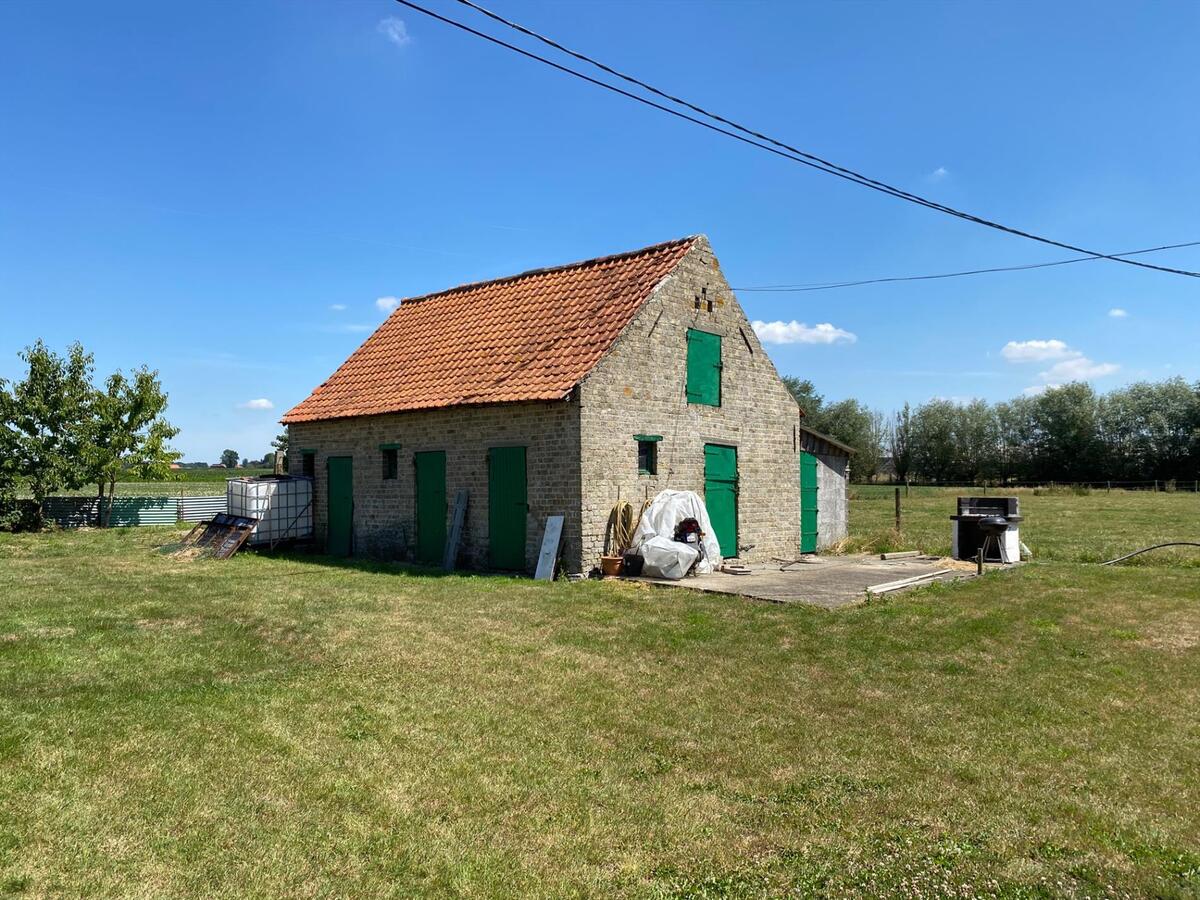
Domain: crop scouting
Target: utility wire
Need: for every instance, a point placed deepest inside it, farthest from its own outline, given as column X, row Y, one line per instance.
column 831, row 285
column 772, row 145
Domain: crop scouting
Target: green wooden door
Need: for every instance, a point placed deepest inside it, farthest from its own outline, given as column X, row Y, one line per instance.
column 431, row 505
column 720, row 494
column 507, row 507
column 339, row 527
column 808, row 502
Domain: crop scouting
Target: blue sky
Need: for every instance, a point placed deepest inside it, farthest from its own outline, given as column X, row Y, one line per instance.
column 224, row 191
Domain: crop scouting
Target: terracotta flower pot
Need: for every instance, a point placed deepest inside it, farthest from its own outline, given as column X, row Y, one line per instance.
column 610, row 566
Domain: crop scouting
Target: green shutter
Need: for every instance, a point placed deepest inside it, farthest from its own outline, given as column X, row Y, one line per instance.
column 703, row 368
column 808, row 503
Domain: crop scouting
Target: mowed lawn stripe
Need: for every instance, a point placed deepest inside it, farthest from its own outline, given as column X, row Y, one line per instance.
column 268, row 726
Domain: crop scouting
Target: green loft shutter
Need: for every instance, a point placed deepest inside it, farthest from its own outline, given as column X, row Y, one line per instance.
column 808, row 503
column 703, row 367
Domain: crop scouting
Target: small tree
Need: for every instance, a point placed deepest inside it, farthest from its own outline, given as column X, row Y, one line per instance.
column 42, row 417
column 128, row 434
column 900, row 443
column 806, row 395
column 281, row 442
column 229, row 459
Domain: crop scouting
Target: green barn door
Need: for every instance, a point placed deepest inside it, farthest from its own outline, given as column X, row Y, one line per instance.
column 808, row 502
column 720, row 494
column 431, row 505
column 507, row 507
column 340, row 518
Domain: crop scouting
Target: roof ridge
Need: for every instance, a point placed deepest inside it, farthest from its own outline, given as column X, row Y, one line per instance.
column 578, row 264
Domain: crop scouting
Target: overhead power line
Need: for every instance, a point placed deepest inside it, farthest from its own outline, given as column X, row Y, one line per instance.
column 832, row 285
column 755, row 138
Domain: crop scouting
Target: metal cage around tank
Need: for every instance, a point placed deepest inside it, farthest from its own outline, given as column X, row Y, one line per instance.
column 281, row 503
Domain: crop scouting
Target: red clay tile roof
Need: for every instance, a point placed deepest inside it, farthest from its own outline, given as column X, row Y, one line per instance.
column 531, row 336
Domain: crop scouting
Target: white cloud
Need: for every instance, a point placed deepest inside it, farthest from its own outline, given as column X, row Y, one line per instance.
column 1069, row 363
column 1034, row 389
column 1037, row 351
column 260, row 403
column 1117, row 313
column 939, row 173
column 1079, row 368
column 395, row 31
column 794, row 332
column 338, row 307
column 387, row 304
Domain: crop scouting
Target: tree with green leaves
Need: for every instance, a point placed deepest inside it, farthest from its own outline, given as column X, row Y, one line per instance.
column 127, row 434
column 900, row 443
column 229, row 459
column 42, row 417
column 281, row 442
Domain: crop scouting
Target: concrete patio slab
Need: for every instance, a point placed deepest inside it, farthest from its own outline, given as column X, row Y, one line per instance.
column 830, row 582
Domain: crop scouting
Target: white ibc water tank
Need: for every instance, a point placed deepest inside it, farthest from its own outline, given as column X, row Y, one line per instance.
column 281, row 503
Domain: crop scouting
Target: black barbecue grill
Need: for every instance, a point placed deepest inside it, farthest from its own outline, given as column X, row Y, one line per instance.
column 981, row 523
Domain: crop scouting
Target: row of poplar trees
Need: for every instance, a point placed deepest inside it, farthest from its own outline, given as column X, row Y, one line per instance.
column 1142, row 432
column 60, row 430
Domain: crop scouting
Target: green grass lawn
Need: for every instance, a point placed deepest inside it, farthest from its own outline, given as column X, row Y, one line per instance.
column 293, row 727
column 1059, row 525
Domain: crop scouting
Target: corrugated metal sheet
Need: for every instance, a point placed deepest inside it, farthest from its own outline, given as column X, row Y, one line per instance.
column 70, row 512
column 144, row 511
column 74, row 512
column 195, row 509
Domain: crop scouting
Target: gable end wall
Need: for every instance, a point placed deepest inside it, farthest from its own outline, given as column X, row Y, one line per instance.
column 639, row 388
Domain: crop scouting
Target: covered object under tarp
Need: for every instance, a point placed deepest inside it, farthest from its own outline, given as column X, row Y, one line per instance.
column 659, row 522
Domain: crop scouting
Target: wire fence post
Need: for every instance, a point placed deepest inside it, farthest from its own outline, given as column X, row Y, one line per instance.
column 897, row 510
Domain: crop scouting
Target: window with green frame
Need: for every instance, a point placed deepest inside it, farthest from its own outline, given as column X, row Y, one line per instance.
column 703, row 367
column 647, row 453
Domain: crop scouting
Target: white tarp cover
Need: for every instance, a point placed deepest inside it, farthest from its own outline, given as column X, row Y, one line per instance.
column 661, row 518
column 667, row 558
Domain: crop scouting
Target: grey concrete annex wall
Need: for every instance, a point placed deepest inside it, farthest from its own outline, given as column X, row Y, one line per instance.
column 385, row 509
column 833, row 501
column 638, row 388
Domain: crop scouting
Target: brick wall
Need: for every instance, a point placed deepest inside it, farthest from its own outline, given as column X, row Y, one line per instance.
column 638, row 388
column 385, row 509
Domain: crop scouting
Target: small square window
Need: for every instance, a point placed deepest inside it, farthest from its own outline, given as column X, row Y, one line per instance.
column 391, row 463
column 647, row 457
column 308, row 463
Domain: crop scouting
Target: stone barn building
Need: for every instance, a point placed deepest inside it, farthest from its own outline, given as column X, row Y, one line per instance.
column 564, row 391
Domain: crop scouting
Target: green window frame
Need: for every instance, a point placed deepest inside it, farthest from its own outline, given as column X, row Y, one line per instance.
column 703, row 367
column 647, row 453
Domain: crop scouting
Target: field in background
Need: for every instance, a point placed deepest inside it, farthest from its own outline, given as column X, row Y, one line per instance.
column 1060, row 524
column 186, row 483
column 292, row 725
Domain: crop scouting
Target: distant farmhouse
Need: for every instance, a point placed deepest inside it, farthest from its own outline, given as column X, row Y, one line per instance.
column 564, row 391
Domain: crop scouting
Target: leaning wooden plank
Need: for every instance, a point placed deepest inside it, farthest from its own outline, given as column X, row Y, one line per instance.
column 549, row 555
column 450, row 558
column 907, row 582
column 900, row 554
